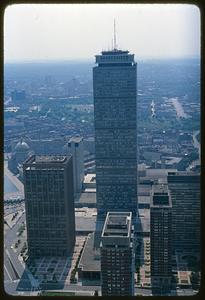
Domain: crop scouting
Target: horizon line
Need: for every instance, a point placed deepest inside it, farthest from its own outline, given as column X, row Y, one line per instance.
column 88, row 59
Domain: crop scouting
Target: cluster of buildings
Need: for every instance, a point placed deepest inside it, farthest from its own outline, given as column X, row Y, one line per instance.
column 171, row 149
column 51, row 181
column 31, row 105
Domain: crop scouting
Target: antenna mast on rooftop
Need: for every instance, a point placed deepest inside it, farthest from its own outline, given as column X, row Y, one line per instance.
column 115, row 45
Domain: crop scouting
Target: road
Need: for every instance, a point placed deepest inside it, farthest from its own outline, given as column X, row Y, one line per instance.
column 11, row 233
column 186, row 292
column 13, row 268
column 196, row 143
column 178, row 107
column 18, row 184
column 10, row 209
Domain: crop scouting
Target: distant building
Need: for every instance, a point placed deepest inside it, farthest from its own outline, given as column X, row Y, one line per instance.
column 117, row 255
column 20, row 153
column 115, row 118
column 41, row 146
column 185, row 194
column 18, row 96
column 48, row 146
column 49, row 203
column 161, row 238
column 75, row 147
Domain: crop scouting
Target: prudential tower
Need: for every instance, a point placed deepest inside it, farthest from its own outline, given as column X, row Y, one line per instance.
column 115, row 117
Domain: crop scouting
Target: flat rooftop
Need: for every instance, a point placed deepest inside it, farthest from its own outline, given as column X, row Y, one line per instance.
column 75, row 139
column 183, row 176
column 117, row 224
column 115, row 56
column 160, row 195
column 87, row 198
column 90, row 259
column 115, row 52
column 85, row 220
column 158, row 173
column 90, row 178
column 182, row 173
column 160, row 189
column 144, row 199
column 143, row 223
column 47, row 159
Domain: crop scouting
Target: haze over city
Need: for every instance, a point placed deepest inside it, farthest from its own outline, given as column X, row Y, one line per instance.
column 67, row 31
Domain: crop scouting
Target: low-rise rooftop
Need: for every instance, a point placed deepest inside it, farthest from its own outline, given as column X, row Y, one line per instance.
column 159, row 189
column 90, row 259
column 75, row 139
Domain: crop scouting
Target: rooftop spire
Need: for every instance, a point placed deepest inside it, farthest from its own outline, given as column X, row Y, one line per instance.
column 115, row 45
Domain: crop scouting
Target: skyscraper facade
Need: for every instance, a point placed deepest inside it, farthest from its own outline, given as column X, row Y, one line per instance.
column 185, row 193
column 115, row 117
column 117, row 255
column 161, row 237
column 49, row 205
column 75, row 147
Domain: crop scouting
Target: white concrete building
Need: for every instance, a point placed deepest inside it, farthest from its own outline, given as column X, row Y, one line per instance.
column 75, row 147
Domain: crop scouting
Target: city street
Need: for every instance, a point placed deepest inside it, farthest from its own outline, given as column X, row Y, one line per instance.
column 17, row 183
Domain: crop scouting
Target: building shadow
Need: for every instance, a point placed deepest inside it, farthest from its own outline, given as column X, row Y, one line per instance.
column 33, row 279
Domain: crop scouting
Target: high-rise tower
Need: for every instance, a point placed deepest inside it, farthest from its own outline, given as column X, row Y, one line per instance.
column 117, row 255
column 161, row 237
column 185, row 194
column 49, row 203
column 75, row 147
column 115, row 109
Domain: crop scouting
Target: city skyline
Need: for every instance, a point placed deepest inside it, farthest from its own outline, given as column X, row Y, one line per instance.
column 123, row 225
column 160, row 30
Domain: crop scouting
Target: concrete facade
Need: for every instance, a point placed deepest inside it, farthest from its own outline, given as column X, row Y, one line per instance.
column 75, row 147
column 117, row 255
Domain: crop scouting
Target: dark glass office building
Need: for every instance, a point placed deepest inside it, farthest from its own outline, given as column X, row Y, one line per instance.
column 161, row 238
column 115, row 111
column 49, row 203
column 185, row 194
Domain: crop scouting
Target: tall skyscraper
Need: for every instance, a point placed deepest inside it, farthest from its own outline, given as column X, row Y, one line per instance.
column 185, row 193
column 75, row 147
column 161, row 237
column 115, row 111
column 49, row 203
column 117, row 255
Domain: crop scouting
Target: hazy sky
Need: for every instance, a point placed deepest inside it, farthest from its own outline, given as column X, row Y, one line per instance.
column 73, row 31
